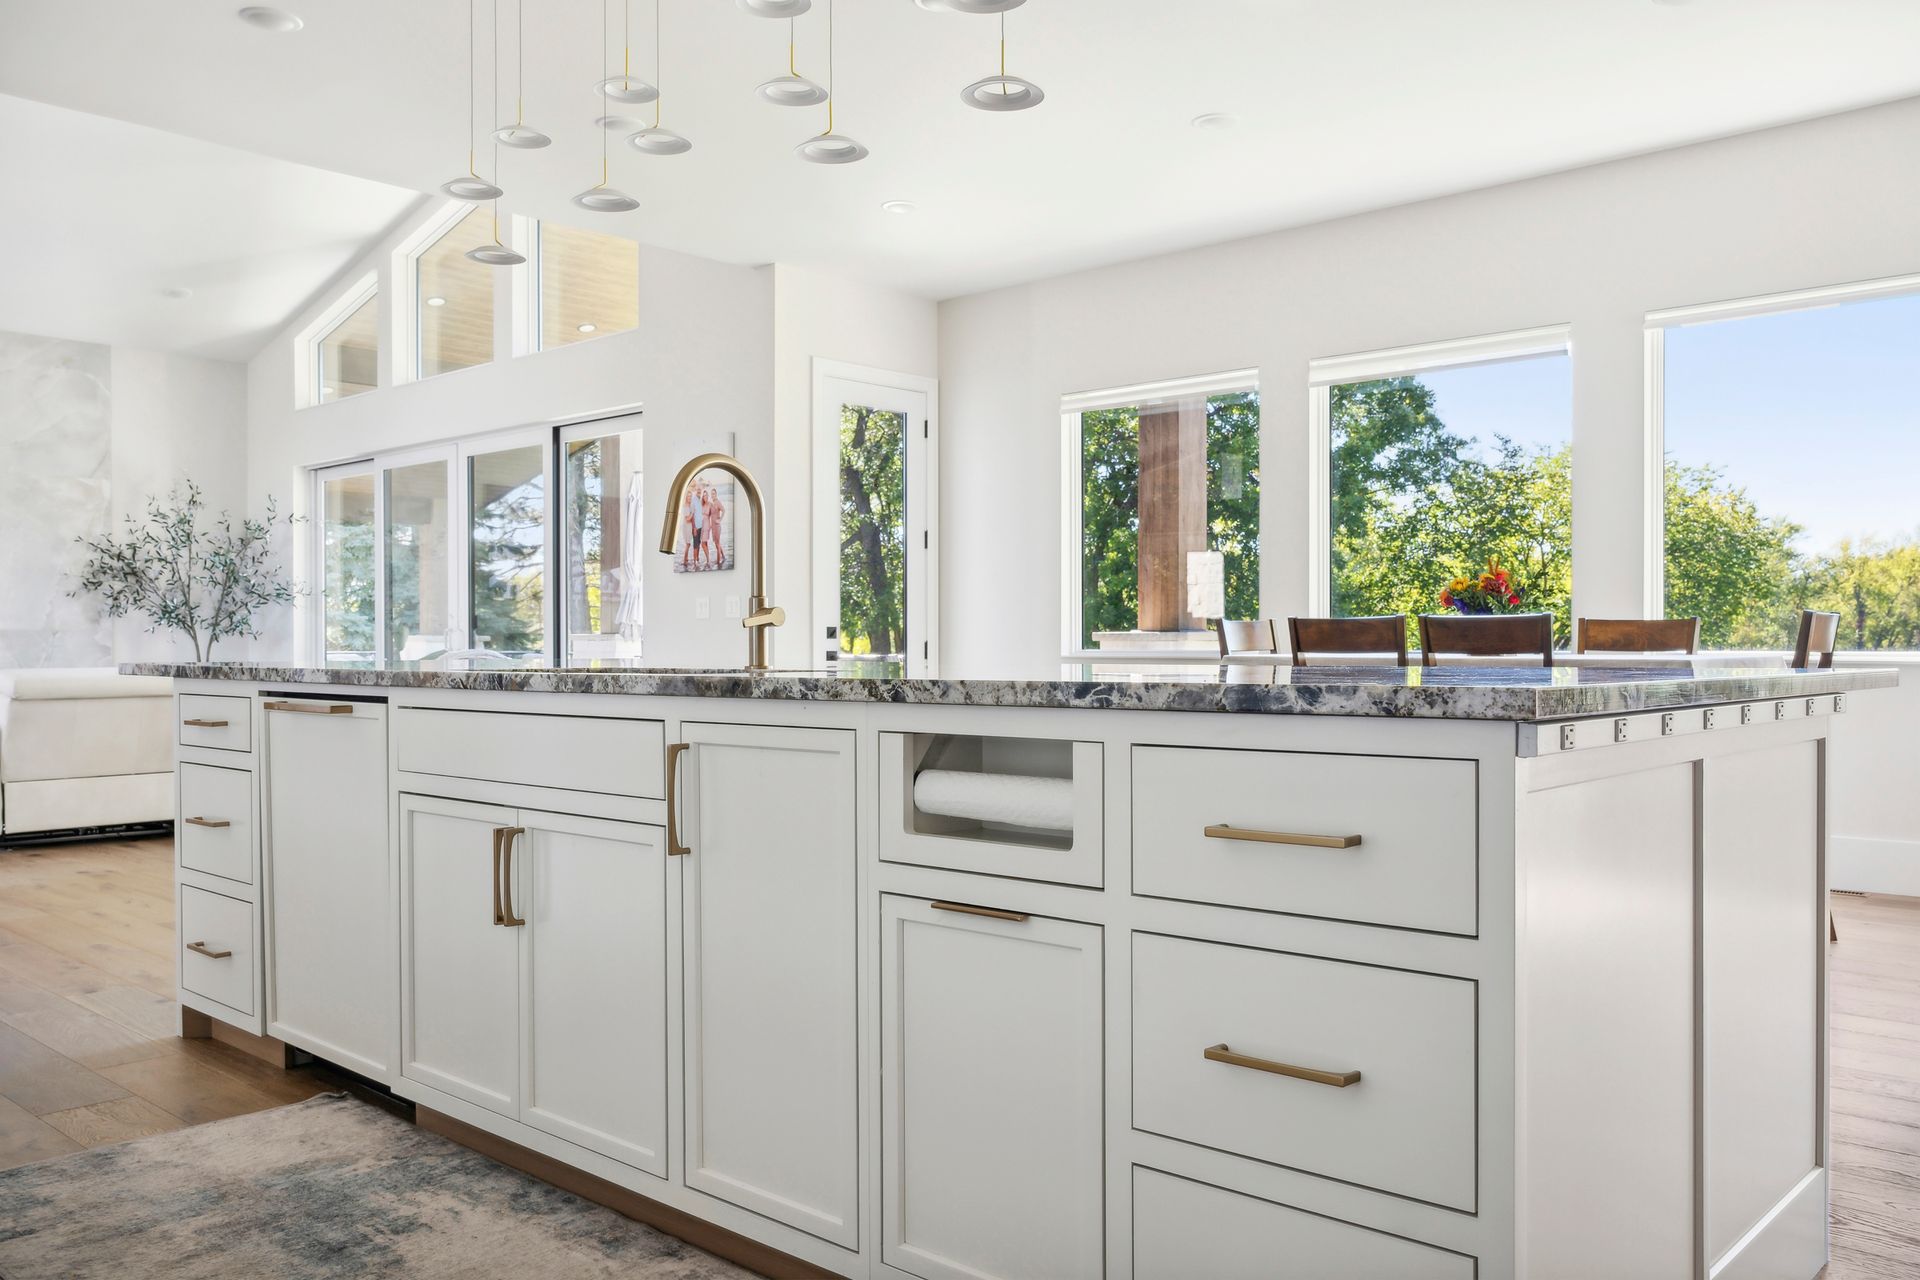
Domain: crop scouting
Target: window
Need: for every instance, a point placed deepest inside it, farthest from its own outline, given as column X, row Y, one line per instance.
column 346, row 355
column 418, row 573
column 1758, row 524
column 1164, row 513
column 453, row 298
column 589, row 285
column 1443, row 459
column 606, row 541
column 347, row 544
column 507, row 550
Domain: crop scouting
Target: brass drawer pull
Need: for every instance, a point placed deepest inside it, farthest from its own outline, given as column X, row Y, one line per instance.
column 1222, row 831
column 312, row 708
column 498, row 918
column 674, row 847
column 205, row 724
column 202, row 948
column 208, row 822
column 507, row 836
column 992, row 913
column 1338, row 1079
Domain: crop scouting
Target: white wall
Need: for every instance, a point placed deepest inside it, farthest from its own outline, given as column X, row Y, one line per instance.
column 1813, row 204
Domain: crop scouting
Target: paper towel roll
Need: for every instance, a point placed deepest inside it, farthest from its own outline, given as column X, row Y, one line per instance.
column 1012, row 798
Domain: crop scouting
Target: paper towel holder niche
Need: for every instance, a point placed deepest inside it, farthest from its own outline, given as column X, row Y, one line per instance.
column 987, row 754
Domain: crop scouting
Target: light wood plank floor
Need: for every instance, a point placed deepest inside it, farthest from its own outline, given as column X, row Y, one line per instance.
column 89, row 1050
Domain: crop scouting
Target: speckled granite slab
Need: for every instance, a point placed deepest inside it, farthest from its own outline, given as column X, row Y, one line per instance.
column 1523, row 694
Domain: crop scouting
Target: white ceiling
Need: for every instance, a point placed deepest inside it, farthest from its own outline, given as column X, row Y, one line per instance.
column 1344, row 105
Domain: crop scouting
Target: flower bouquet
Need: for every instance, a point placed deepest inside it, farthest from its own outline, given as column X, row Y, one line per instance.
column 1492, row 592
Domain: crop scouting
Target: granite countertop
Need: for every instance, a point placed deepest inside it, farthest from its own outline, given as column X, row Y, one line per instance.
column 1519, row 694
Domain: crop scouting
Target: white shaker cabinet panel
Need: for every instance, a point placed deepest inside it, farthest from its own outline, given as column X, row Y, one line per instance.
column 771, row 1087
column 991, row 1094
column 460, row 963
column 331, row 931
column 594, row 1065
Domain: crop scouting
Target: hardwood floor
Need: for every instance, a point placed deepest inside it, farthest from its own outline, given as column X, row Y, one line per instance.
column 90, row 1051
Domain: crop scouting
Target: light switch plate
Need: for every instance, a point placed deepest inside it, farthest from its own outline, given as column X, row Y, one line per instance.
column 733, row 606
column 702, row 607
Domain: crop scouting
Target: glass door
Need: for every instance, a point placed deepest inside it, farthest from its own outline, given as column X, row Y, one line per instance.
column 417, row 514
column 873, row 518
column 506, row 488
column 348, row 541
column 604, row 539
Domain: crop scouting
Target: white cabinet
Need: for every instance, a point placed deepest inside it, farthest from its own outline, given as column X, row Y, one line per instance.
column 769, row 901
column 991, row 1116
column 330, row 883
column 534, row 970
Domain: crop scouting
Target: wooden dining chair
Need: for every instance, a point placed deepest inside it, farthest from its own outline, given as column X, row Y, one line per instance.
column 1255, row 635
column 1348, row 637
column 1637, row 635
column 1814, row 648
column 1486, row 635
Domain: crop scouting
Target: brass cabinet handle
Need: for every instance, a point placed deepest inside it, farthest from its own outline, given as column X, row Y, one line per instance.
column 311, row 708
column 205, row 724
column 1221, row 831
column 203, row 949
column 1338, row 1079
column 507, row 836
column 498, row 918
column 674, row 847
column 992, row 913
column 208, row 822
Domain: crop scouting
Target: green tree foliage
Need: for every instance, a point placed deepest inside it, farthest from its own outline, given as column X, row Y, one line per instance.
column 873, row 553
column 1727, row 563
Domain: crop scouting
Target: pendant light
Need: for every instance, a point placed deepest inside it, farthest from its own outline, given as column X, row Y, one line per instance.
column 776, row 8
column 517, row 135
column 623, row 88
column 1002, row 92
column 830, row 147
column 972, row 6
column 496, row 254
column 470, row 185
column 654, row 140
column 603, row 198
column 791, row 89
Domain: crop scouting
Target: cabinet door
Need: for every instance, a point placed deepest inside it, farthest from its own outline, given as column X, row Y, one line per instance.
column 459, row 965
column 990, row 1095
column 594, row 1008
column 771, row 1087
column 330, row 892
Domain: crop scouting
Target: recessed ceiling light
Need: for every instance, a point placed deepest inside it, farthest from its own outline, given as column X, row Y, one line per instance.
column 436, row 302
column 588, row 328
column 259, row 15
column 178, row 293
column 901, row 206
column 1215, row 120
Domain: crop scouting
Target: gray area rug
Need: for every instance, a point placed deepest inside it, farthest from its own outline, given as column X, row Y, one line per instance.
column 329, row 1187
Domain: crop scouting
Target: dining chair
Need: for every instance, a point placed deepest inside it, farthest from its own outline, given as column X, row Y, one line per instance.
column 1486, row 635
column 1348, row 637
column 1814, row 648
column 1637, row 635
column 1256, row 635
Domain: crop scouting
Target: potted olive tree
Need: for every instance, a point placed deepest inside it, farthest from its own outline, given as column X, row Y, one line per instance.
column 207, row 581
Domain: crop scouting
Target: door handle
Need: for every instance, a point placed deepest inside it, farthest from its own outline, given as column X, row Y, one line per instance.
column 497, row 917
column 202, row 948
column 311, row 708
column 204, row 724
column 674, row 847
column 209, row 822
column 507, row 836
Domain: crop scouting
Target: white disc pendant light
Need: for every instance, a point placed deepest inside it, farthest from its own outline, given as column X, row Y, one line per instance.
column 624, row 88
column 496, row 254
column 602, row 198
column 776, row 8
column 655, row 140
column 1003, row 92
column 830, row 147
column 972, row 6
column 518, row 135
column 791, row 89
column 470, row 185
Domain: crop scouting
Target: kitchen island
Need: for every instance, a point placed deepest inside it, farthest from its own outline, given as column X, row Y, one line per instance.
column 1371, row 972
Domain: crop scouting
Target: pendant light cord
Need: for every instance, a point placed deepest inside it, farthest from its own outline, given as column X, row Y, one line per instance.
column 520, row 55
column 791, row 22
column 831, row 86
column 659, row 91
column 626, row 42
column 625, row 34
column 472, row 5
column 1003, row 42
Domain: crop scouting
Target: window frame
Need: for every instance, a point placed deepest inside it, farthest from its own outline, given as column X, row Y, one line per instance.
column 528, row 302
column 309, row 365
column 572, row 433
column 1330, row 371
column 404, row 270
column 1072, row 406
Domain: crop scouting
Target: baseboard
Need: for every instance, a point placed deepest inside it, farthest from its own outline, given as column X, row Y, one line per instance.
column 195, row 1025
column 751, row 1254
column 1867, row 865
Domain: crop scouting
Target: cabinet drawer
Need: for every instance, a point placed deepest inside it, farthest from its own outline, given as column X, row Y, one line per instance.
column 1416, row 822
column 1183, row 1228
column 576, row 753
column 215, row 828
column 1406, row 1125
column 211, row 924
column 217, row 721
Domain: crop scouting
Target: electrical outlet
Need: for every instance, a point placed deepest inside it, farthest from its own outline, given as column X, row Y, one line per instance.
column 1566, row 737
column 1666, row 725
column 1839, row 702
column 1746, row 714
column 1620, row 730
column 1779, row 711
column 1712, row 719
column 733, row 606
column 702, row 607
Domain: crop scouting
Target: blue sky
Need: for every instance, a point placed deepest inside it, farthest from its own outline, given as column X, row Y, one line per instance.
column 1815, row 413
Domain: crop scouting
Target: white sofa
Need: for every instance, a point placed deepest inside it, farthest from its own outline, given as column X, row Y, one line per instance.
column 83, row 750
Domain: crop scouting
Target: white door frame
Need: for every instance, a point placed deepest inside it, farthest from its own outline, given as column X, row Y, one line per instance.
column 917, row 397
